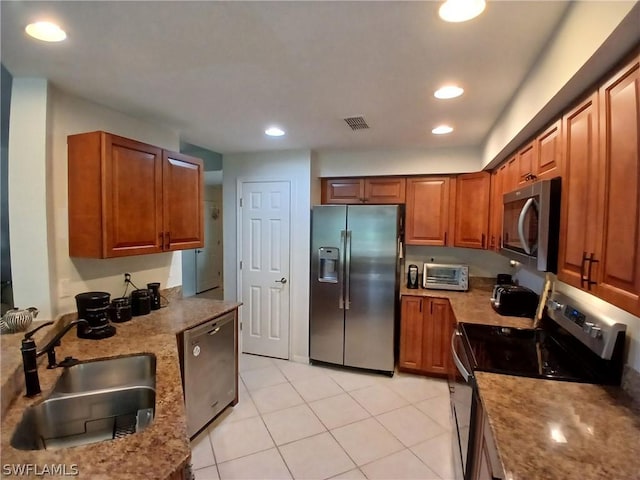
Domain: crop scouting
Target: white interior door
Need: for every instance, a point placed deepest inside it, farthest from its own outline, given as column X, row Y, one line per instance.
column 209, row 258
column 265, row 210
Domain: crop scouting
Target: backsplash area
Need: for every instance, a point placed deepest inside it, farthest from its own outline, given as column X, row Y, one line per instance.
column 482, row 263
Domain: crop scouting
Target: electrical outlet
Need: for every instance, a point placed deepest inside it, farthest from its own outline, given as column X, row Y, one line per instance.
column 64, row 290
column 127, row 278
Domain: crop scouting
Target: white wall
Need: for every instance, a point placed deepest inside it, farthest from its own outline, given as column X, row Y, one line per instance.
column 401, row 161
column 295, row 167
column 591, row 39
column 29, row 169
column 44, row 274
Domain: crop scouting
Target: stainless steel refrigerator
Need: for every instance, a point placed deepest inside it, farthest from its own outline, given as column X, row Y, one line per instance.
column 354, row 285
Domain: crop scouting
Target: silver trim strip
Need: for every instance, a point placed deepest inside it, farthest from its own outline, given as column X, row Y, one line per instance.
column 456, row 359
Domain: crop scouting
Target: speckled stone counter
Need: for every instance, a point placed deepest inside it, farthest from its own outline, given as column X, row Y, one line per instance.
column 550, row 430
column 472, row 306
column 163, row 448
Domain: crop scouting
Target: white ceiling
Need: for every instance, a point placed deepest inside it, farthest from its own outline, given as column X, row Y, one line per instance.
column 221, row 72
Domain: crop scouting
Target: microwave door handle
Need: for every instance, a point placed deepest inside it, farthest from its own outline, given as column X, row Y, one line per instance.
column 529, row 203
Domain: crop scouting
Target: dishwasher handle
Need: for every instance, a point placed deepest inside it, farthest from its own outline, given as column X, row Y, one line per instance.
column 210, row 327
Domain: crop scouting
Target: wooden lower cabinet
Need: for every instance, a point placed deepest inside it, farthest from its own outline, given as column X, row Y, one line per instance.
column 426, row 325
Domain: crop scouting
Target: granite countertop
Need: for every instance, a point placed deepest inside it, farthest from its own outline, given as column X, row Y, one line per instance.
column 158, row 451
column 472, row 306
column 550, row 430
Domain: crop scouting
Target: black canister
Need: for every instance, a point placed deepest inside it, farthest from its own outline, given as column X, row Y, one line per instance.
column 120, row 310
column 94, row 308
column 412, row 277
column 140, row 302
column 154, row 289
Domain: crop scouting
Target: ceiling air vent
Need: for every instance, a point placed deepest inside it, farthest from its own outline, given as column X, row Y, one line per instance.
column 356, row 123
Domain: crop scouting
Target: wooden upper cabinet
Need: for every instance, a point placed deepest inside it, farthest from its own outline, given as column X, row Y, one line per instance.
column 618, row 248
column 472, row 210
column 374, row 190
column 128, row 198
column 511, row 174
column 579, row 204
column 342, row 190
column 385, row 190
column 183, row 214
column 548, row 158
column 427, row 211
column 496, row 209
column 526, row 163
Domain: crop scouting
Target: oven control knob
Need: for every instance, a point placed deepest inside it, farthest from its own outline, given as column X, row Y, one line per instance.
column 587, row 327
column 596, row 332
column 553, row 305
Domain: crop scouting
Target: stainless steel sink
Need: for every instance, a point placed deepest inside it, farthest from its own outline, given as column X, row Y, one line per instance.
column 92, row 402
column 118, row 372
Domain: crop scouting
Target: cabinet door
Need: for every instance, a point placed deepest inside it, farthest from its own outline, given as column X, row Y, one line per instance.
column 525, row 163
column 619, row 272
column 436, row 337
column 495, row 209
column 342, row 190
column 427, row 211
column 183, row 202
column 511, row 175
column 472, row 210
column 579, row 209
column 411, row 332
column 132, row 197
column 549, row 152
column 384, row 190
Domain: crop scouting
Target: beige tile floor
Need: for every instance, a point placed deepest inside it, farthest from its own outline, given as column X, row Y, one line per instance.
column 296, row 421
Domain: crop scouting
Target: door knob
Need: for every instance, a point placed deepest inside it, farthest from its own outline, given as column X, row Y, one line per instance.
column 282, row 280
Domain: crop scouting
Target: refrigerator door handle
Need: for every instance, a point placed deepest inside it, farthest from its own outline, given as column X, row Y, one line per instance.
column 347, row 270
column 343, row 247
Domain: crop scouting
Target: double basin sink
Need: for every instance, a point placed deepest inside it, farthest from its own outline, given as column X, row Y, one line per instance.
column 92, row 402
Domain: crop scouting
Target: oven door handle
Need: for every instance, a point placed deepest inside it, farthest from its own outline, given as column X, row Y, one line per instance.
column 463, row 371
column 528, row 204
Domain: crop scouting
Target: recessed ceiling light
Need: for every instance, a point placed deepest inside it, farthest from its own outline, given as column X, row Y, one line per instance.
column 274, row 132
column 46, row 31
column 448, row 91
column 442, row 130
column 461, row 10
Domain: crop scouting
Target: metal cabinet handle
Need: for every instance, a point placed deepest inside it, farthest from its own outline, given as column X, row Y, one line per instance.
column 282, row 281
column 592, row 260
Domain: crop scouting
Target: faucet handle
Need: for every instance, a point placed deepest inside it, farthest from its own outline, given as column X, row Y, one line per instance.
column 28, row 335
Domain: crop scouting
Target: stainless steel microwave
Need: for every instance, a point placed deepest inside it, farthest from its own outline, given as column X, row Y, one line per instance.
column 531, row 225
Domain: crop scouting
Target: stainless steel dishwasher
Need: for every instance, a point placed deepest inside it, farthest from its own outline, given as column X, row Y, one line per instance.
column 209, row 370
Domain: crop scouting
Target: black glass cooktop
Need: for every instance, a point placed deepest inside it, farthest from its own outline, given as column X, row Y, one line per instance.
column 541, row 353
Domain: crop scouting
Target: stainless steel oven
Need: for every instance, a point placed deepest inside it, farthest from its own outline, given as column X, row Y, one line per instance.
column 577, row 341
column 463, row 408
column 530, row 227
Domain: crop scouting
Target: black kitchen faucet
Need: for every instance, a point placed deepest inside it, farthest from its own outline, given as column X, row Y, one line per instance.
column 30, row 355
